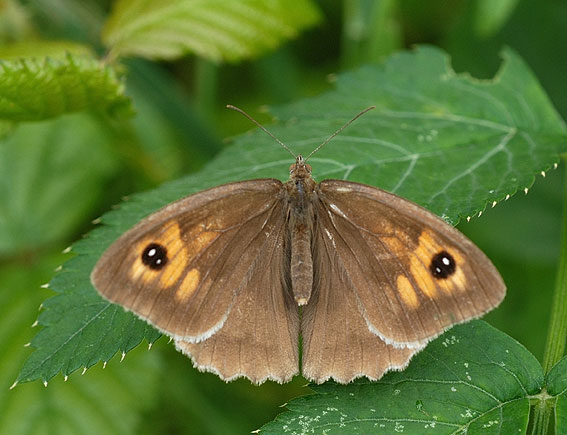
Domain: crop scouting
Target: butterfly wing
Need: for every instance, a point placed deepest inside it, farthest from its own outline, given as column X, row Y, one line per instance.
column 260, row 337
column 412, row 275
column 212, row 243
column 337, row 343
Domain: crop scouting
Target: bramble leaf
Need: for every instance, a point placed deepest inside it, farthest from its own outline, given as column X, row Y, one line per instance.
column 472, row 379
column 40, row 88
column 213, row 29
column 110, row 400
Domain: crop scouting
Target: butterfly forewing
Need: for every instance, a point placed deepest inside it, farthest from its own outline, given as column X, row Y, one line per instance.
column 182, row 267
column 413, row 275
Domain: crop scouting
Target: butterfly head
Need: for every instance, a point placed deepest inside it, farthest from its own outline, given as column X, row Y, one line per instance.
column 299, row 169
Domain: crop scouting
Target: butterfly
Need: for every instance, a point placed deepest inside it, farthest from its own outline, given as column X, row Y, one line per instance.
column 236, row 274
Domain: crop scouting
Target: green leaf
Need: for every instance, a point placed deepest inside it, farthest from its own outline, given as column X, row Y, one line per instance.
column 557, row 386
column 55, row 49
column 109, row 401
column 46, row 169
column 214, row 29
column 446, row 141
column 40, row 88
column 472, row 379
column 82, row 334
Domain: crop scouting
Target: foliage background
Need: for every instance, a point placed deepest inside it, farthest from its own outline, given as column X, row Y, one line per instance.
column 59, row 175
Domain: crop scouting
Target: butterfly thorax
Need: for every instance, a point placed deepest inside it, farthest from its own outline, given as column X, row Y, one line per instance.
column 300, row 186
column 300, row 192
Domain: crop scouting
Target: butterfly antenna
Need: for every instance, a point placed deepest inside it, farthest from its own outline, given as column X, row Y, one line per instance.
column 230, row 106
column 339, row 130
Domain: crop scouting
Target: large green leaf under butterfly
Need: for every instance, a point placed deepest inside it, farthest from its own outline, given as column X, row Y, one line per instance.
column 443, row 140
column 473, row 379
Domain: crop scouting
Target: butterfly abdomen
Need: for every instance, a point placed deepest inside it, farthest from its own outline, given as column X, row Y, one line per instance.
column 300, row 191
column 301, row 262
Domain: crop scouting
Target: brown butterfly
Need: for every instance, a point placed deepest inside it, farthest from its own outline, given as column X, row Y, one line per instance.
column 236, row 273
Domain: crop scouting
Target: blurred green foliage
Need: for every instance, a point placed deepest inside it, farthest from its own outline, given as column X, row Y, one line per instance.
column 60, row 174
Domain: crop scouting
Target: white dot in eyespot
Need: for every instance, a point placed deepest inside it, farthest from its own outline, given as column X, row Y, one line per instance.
column 446, row 261
column 158, row 261
column 152, row 252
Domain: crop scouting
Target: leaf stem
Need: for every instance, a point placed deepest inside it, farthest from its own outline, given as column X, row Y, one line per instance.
column 542, row 417
column 557, row 332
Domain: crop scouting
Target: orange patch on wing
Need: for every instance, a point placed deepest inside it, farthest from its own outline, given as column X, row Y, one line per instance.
column 427, row 248
column 418, row 264
column 170, row 239
column 407, row 292
column 180, row 253
column 188, row 285
column 457, row 281
column 176, row 255
column 140, row 271
column 422, row 276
